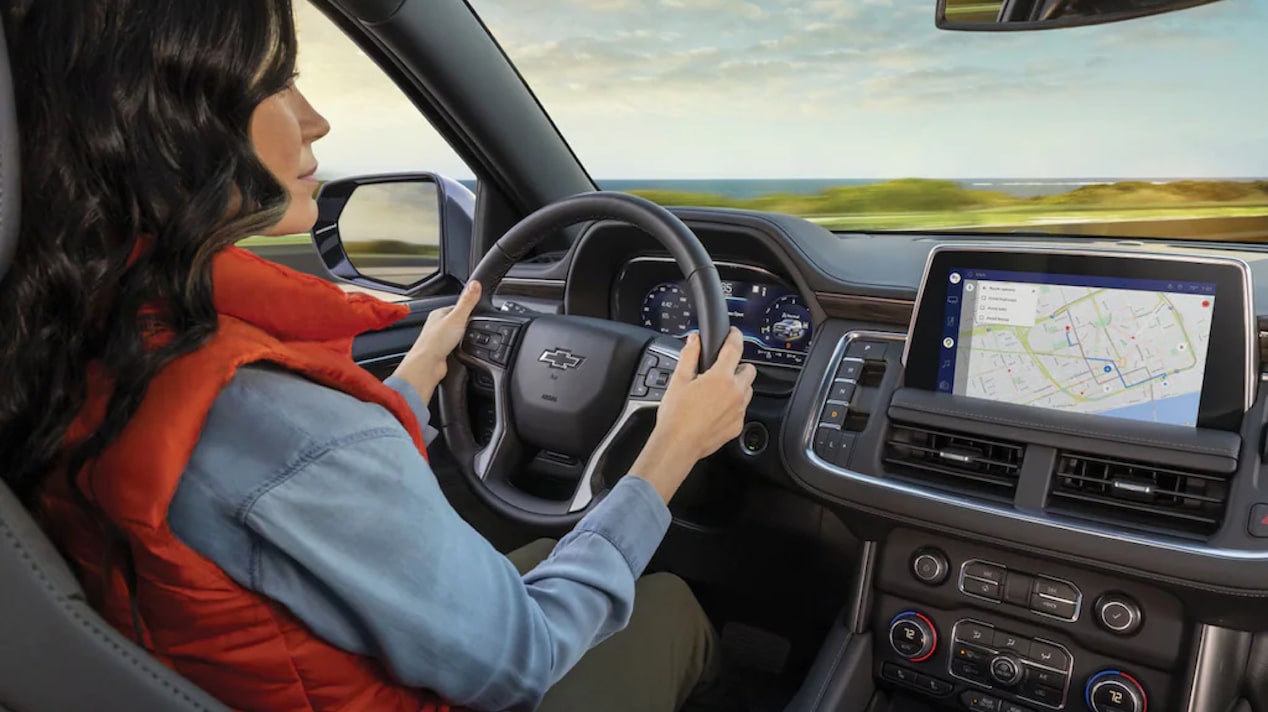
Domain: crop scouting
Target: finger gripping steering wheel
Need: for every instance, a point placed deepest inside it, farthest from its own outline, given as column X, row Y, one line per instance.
column 567, row 385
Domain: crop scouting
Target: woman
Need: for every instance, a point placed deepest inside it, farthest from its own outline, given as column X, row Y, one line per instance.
column 186, row 419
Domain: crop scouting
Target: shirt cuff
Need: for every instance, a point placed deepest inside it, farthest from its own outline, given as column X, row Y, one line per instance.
column 416, row 404
column 633, row 518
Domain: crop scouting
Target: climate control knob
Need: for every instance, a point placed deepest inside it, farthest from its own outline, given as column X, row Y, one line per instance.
column 1114, row 691
column 1006, row 670
column 913, row 636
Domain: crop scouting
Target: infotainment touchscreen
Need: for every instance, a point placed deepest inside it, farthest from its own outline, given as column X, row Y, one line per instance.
column 1127, row 348
column 1142, row 336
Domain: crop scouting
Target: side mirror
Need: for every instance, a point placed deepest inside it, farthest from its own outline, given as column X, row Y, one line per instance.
column 1006, row 15
column 391, row 232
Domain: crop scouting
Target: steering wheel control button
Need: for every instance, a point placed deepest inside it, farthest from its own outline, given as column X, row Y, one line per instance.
column 850, row 369
column 1011, row 642
column 649, row 362
column 912, row 636
column 1114, row 691
column 1118, row 614
column 930, row 566
column 1006, row 670
column 979, row 702
column 1049, row 655
column 657, row 378
column 842, row 391
column 754, row 438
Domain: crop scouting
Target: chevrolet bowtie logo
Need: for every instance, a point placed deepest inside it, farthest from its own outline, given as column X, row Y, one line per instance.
column 561, row 359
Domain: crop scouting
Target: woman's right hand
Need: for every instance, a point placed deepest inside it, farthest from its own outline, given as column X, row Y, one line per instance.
column 698, row 414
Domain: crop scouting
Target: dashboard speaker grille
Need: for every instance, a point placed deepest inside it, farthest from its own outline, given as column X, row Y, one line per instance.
column 1152, row 497
column 955, row 461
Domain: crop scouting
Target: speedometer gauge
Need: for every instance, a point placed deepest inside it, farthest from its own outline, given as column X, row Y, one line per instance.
column 667, row 309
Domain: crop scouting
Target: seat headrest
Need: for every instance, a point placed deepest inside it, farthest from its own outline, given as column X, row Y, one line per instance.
column 10, row 177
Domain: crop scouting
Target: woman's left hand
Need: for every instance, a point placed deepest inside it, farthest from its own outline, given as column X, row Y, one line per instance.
column 425, row 365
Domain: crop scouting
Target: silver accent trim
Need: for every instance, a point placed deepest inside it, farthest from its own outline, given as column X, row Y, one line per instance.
column 964, row 575
column 982, row 506
column 584, row 493
column 1026, row 660
column 484, row 457
column 1251, row 331
column 620, row 278
column 1217, row 669
column 939, row 568
column 1077, row 603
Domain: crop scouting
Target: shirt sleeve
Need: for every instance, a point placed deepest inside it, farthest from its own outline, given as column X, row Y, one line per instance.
column 416, row 404
column 359, row 542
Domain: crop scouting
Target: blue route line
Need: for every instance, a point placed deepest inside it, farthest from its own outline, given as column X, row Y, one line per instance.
column 1120, row 373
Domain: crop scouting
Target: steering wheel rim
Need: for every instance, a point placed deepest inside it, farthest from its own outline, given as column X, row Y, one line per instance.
column 575, row 389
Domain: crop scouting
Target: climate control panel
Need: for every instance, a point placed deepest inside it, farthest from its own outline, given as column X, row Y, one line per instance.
column 1035, row 670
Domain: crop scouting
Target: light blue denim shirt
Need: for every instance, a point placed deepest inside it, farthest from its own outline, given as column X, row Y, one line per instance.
column 321, row 502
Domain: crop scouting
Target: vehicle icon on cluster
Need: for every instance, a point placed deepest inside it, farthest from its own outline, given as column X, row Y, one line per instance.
column 789, row 329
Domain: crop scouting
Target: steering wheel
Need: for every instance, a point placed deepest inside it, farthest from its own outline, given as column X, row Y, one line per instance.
column 567, row 384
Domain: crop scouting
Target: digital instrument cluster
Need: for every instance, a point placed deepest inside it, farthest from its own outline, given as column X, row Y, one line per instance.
column 774, row 320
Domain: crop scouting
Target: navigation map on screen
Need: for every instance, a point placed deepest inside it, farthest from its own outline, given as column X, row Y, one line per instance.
column 1126, row 348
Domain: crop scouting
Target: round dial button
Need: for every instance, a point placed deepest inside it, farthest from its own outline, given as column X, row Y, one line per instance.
column 1114, row 691
column 1118, row 614
column 930, row 566
column 912, row 636
column 1006, row 670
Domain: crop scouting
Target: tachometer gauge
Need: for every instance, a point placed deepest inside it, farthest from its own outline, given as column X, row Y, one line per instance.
column 786, row 323
column 667, row 309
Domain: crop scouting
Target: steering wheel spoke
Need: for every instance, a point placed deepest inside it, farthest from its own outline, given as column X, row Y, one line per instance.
column 490, row 342
column 660, row 358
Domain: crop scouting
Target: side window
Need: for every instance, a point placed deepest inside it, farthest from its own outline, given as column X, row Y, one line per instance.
column 374, row 129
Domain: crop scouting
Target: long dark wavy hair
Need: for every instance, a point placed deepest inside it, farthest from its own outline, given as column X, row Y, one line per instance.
column 134, row 118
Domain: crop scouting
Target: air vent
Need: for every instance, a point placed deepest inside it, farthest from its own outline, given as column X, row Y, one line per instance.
column 964, row 463
column 1159, row 499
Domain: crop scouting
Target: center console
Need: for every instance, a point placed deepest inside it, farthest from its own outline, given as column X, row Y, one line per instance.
column 1058, row 463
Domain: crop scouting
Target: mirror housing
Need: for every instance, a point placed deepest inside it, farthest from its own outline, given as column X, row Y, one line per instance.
column 1011, row 15
column 393, row 233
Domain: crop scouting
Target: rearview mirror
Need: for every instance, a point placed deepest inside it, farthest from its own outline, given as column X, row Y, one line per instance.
column 388, row 232
column 1004, row 15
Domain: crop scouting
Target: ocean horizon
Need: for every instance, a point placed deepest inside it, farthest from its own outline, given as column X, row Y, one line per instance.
column 746, row 188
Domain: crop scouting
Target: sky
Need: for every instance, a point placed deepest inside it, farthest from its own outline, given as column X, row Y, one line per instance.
column 680, row 89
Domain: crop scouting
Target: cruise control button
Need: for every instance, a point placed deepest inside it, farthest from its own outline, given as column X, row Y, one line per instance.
column 985, row 589
column 649, row 362
column 1056, row 589
column 1049, row 655
column 833, row 415
column 988, row 572
column 1004, row 640
column 841, row 391
column 971, row 632
column 850, row 370
column 1052, row 606
column 640, row 389
column 657, row 378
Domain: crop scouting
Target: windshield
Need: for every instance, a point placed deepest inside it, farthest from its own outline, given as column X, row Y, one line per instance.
column 861, row 115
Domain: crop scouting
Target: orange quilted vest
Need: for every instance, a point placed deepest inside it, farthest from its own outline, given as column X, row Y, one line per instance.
column 241, row 647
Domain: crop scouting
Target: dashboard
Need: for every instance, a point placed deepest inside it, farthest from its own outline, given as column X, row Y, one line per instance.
column 1099, row 490
column 772, row 316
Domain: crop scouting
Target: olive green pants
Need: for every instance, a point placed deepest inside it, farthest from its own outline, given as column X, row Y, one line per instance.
column 652, row 665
